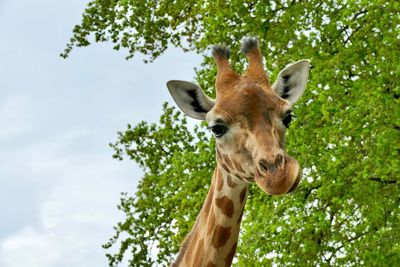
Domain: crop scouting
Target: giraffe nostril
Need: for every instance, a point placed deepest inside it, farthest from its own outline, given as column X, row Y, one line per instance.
column 279, row 160
column 266, row 166
column 263, row 165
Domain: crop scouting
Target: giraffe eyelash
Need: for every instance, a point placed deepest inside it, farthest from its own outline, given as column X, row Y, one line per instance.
column 218, row 129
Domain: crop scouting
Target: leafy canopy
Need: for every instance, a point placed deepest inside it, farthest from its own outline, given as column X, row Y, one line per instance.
column 346, row 135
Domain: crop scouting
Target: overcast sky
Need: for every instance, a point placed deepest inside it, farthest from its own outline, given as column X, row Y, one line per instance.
column 59, row 185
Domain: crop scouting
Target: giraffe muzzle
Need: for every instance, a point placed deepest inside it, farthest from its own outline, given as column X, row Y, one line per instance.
column 280, row 177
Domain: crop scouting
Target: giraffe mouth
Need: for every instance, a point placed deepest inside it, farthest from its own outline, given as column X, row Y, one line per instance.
column 295, row 184
column 280, row 181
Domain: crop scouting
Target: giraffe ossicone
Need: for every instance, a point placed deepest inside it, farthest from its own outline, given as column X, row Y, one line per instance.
column 249, row 118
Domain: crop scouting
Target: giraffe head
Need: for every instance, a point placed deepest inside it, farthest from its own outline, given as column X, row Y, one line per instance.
column 249, row 117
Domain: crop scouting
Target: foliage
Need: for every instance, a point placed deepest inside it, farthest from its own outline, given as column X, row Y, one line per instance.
column 346, row 135
column 178, row 166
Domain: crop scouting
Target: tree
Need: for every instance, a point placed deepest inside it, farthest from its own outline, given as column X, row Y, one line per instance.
column 346, row 134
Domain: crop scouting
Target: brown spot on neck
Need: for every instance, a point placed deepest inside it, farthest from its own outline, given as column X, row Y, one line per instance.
column 243, row 195
column 211, row 222
column 226, row 205
column 219, row 156
column 238, row 166
column 223, row 165
column 207, row 203
column 240, row 217
column 228, row 161
column 211, row 264
column 231, row 254
column 220, row 180
column 220, row 236
column 230, row 181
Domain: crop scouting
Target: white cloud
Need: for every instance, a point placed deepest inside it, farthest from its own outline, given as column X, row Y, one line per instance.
column 77, row 210
column 65, row 245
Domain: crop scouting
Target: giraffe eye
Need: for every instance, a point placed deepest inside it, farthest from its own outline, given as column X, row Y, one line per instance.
column 287, row 119
column 218, row 130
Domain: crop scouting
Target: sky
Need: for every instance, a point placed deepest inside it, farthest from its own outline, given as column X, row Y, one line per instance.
column 59, row 185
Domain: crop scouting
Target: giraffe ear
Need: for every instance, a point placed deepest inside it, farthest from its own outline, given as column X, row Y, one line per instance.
column 292, row 81
column 190, row 98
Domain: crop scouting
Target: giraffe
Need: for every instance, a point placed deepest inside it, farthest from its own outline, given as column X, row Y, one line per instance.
column 248, row 119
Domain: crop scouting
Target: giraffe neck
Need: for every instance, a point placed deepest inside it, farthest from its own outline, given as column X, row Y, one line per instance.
column 213, row 239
